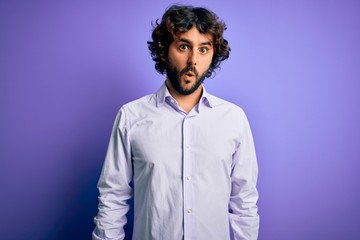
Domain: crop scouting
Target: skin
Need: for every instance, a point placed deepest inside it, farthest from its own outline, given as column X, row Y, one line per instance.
column 189, row 58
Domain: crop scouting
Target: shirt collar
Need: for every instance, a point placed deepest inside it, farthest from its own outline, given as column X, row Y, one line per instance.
column 205, row 99
column 161, row 95
column 164, row 93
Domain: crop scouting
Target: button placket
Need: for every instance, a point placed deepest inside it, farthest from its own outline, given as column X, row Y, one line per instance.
column 187, row 184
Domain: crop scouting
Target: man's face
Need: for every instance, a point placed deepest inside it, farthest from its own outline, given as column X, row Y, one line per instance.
column 189, row 59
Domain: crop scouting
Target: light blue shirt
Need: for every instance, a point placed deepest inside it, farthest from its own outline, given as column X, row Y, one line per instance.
column 194, row 173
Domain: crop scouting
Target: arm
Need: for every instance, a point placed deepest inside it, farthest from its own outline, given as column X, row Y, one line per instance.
column 113, row 185
column 244, row 219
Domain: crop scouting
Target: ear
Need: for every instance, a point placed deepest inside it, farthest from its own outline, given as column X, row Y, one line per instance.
column 162, row 57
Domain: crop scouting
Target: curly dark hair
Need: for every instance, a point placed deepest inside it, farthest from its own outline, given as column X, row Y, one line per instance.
column 180, row 19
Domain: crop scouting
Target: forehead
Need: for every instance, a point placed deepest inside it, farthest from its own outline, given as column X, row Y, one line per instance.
column 194, row 36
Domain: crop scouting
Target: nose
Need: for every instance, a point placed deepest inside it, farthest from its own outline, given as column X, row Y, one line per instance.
column 193, row 58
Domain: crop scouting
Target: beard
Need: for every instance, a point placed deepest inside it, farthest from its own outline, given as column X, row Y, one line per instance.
column 174, row 77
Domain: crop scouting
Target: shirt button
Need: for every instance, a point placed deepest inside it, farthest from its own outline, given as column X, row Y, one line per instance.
column 189, row 210
column 188, row 178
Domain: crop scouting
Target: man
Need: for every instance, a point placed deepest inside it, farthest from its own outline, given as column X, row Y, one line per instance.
column 189, row 154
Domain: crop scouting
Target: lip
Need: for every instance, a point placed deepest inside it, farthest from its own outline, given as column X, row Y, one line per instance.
column 189, row 74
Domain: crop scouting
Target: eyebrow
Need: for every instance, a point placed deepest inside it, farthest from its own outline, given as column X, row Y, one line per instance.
column 209, row 43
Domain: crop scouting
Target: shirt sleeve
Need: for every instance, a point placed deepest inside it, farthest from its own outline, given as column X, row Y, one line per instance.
column 243, row 215
column 114, row 184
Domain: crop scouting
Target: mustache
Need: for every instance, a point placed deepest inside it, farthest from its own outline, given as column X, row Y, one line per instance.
column 189, row 69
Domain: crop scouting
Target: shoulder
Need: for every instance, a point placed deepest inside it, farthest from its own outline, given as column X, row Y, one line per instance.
column 227, row 107
column 136, row 110
column 139, row 105
column 145, row 100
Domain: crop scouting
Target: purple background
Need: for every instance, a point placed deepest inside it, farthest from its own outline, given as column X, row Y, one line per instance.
column 66, row 67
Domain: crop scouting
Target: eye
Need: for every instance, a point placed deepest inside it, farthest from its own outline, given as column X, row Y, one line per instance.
column 184, row 47
column 203, row 50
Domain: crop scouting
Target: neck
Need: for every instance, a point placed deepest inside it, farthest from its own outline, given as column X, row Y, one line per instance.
column 186, row 102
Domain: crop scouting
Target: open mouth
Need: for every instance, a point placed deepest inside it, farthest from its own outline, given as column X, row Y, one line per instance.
column 189, row 74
